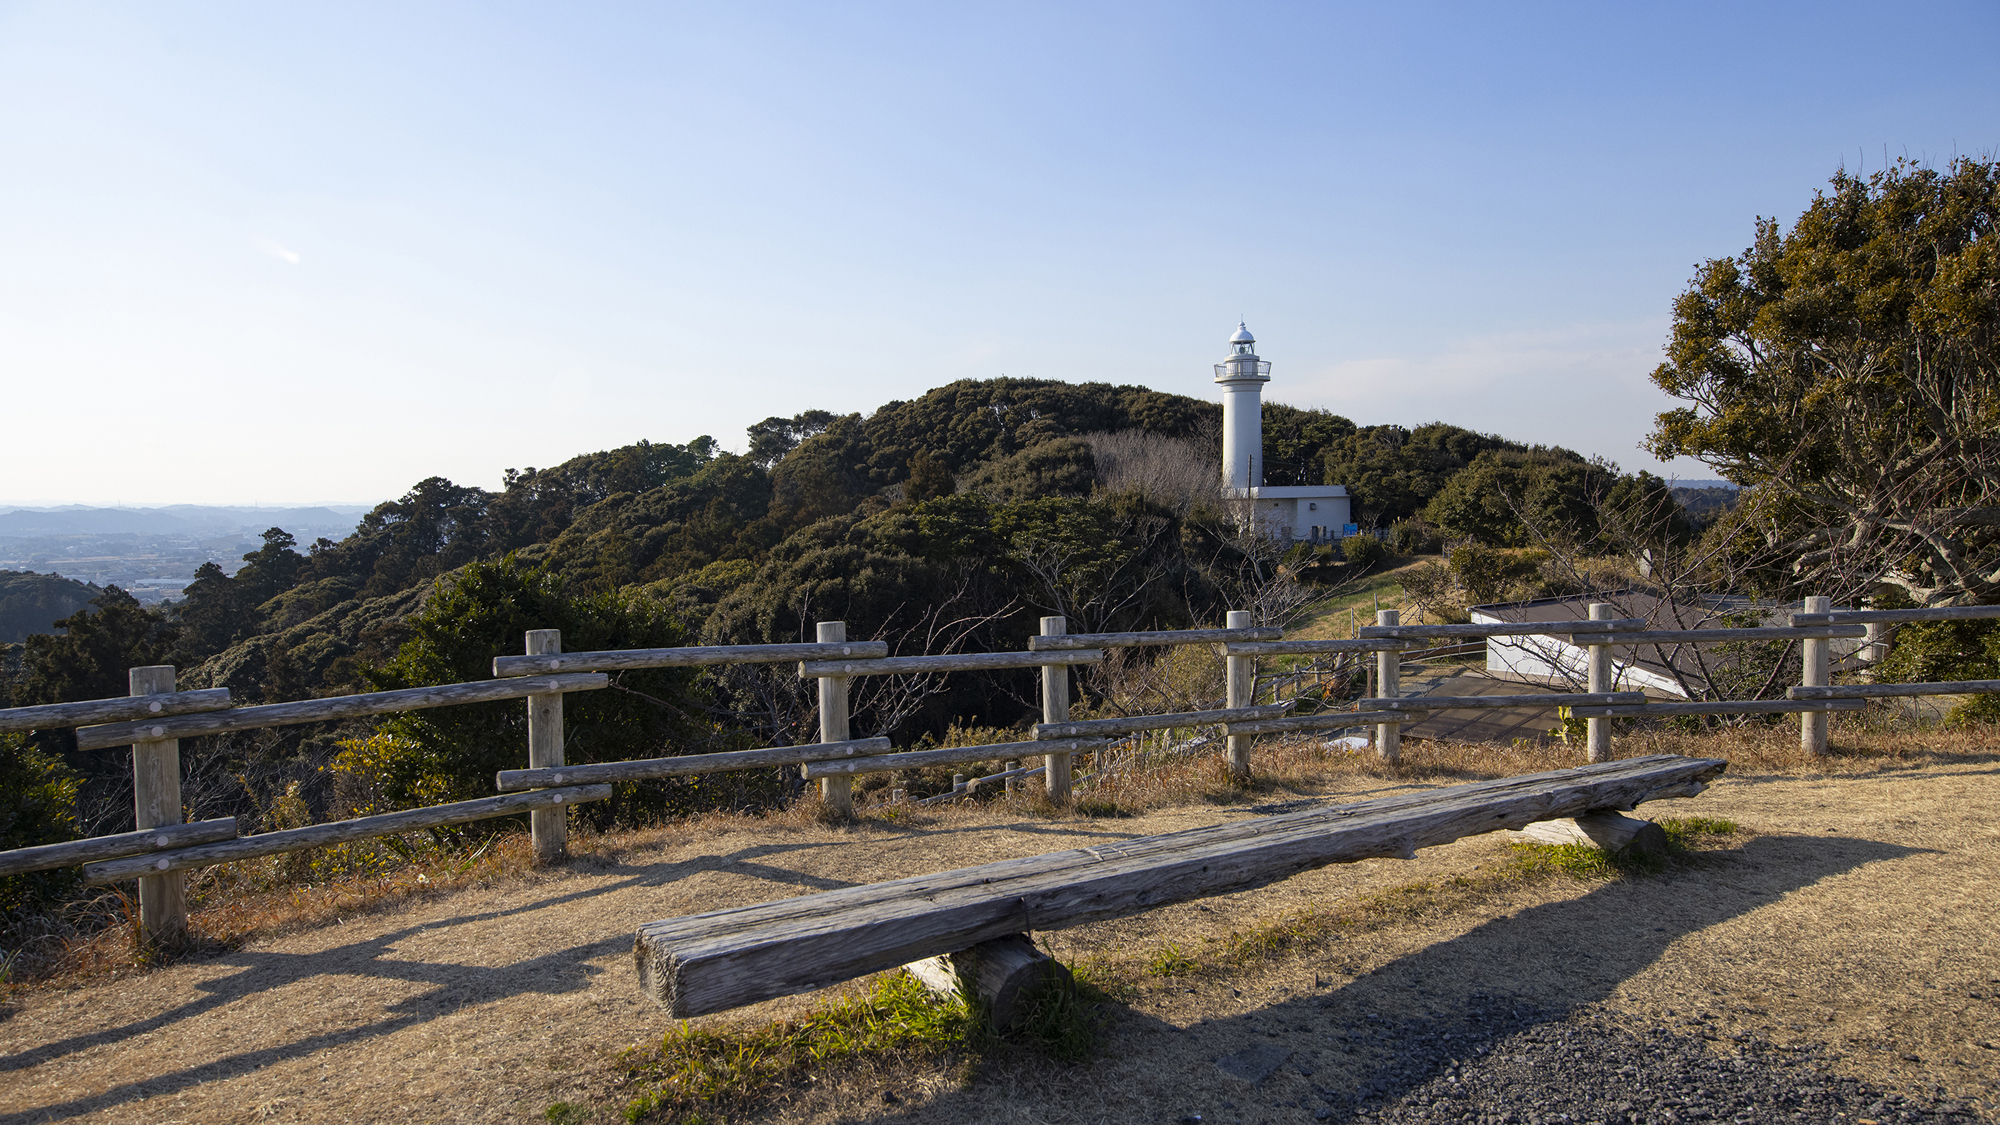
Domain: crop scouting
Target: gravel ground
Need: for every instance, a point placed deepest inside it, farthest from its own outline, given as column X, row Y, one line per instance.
column 1508, row 1065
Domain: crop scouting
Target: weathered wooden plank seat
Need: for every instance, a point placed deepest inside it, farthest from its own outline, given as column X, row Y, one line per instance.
column 725, row 959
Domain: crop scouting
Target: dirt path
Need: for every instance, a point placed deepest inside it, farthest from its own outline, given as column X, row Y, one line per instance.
column 1855, row 911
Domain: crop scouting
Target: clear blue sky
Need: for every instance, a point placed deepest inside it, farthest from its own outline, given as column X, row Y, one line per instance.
column 288, row 253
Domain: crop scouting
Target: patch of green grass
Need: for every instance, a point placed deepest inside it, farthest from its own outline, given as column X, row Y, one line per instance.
column 700, row 1076
column 1061, row 1019
column 1685, row 836
column 1170, row 961
column 566, row 1113
column 1578, row 861
column 1689, row 830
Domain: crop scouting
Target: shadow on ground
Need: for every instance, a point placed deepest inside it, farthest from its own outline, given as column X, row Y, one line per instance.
column 1337, row 1052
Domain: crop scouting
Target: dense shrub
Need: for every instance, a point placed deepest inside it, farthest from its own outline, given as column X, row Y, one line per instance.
column 484, row 611
column 1934, row 651
column 37, row 806
column 1364, row 551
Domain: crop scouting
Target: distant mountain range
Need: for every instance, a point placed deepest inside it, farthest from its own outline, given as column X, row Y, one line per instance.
column 178, row 519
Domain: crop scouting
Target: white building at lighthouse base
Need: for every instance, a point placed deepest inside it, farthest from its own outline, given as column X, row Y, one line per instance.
column 1316, row 513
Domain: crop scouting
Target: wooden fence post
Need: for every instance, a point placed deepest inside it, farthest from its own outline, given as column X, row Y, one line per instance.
column 1055, row 709
column 549, row 826
column 1242, row 687
column 1815, row 671
column 1599, row 730
column 156, row 800
column 836, row 791
column 1388, row 685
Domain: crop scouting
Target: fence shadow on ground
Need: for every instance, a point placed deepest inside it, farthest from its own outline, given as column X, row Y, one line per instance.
column 1389, row 1031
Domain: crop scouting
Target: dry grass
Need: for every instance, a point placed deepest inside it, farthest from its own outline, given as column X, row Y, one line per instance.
column 242, row 902
column 1303, row 767
column 235, row 903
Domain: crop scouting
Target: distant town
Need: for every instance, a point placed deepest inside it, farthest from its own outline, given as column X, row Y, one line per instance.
column 152, row 553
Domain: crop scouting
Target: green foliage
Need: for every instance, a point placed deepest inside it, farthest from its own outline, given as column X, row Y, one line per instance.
column 271, row 569
column 452, row 753
column 1487, row 575
column 773, row 438
column 719, row 513
column 1512, row 498
column 1849, row 366
column 1060, row 467
column 1296, row 442
column 957, row 526
column 1392, row 472
column 214, row 613
column 97, row 647
column 37, row 806
column 1414, row 537
column 827, row 475
column 929, row 478
column 1934, row 651
column 32, row 603
column 974, row 420
column 1364, row 551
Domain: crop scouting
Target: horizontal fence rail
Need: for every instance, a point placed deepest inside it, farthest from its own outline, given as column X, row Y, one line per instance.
column 1458, row 702
column 1501, row 629
column 643, row 769
column 1311, row 648
column 339, row 832
column 1328, row 720
column 1712, row 636
column 1089, row 728
column 329, row 709
column 1894, row 691
column 47, row 857
column 1064, row 641
column 948, row 756
column 123, row 708
column 1898, row 616
column 618, row 660
column 949, row 662
column 1718, row 707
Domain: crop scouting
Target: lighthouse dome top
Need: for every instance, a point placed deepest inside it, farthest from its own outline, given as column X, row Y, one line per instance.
column 1242, row 363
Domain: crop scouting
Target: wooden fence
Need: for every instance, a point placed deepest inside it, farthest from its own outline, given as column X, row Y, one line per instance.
column 154, row 717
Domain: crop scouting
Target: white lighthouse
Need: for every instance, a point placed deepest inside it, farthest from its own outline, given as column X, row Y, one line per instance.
column 1242, row 377
column 1315, row 512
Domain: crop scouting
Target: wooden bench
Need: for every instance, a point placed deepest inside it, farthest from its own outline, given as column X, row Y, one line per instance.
column 725, row 959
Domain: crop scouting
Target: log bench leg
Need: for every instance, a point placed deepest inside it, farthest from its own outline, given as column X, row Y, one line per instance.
column 1605, row 828
column 1001, row 973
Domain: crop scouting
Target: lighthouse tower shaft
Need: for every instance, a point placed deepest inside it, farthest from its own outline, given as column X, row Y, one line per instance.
column 1242, row 377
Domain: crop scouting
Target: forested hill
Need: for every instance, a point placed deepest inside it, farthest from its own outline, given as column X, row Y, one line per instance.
column 982, row 503
column 30, row 601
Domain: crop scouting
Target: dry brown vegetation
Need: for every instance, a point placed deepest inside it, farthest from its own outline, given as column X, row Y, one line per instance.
column 489, row 990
